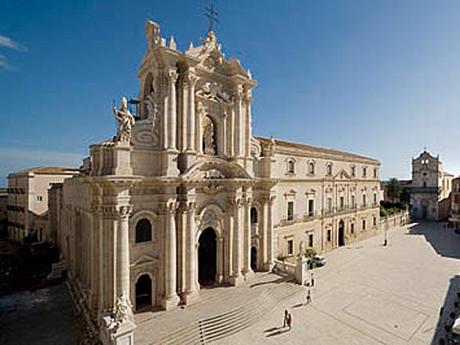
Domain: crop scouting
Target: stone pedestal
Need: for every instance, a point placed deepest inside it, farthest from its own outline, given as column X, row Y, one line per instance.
column 301, row 271
column 122, row 159
column 122, row 334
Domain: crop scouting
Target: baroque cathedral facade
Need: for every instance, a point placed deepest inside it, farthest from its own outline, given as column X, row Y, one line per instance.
column 185, row 196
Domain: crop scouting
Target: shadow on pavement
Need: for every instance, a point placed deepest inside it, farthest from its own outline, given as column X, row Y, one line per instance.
column 276, row 331
column 447, row 315
column 443, row 240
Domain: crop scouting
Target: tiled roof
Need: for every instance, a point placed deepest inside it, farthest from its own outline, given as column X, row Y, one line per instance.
column 330, row 153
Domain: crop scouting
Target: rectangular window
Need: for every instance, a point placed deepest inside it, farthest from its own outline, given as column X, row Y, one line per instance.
column 290, row 247
column 311, row 208
column 375, row 198
column 364, row 200
column 39, row 198
column 375, row 221
column 352, row 228
column 375, row 172
column 353, row 171
column 364, row 224
column 329, row 204
column 290, row 210
column 342, row 202
column 310, row 240
column 329, row 233
column 364, row 172
column 353, row 201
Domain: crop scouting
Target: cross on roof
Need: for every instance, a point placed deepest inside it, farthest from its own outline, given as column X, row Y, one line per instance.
column 212, row 16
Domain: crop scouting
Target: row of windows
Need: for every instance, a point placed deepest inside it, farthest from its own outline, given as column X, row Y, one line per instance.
column 310, row 240
column 341, row 206
column 329, row 169
column 15, row 190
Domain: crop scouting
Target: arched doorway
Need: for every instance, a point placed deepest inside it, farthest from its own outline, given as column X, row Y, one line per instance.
column 341, row 233
column 254, row 258
column 143, row 293
column 207, row 257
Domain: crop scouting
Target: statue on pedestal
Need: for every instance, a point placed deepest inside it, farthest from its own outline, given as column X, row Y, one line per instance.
column 125, row 121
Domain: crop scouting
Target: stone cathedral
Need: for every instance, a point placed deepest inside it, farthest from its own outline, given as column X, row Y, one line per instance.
column 185, row 196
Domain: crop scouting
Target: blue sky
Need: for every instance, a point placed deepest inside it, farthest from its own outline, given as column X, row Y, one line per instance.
column 379, row 78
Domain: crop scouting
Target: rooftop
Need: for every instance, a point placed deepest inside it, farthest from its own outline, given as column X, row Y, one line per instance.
column 47, row 171
column 330, row 153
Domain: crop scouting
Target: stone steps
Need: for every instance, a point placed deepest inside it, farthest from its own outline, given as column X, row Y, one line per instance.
column 216, row 327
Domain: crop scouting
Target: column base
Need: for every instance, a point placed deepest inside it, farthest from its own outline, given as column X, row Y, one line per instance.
column 122, row 334
column 171, row 302
column 268, row 266
column 236, row 280
column 248, row 273
column 191, row 296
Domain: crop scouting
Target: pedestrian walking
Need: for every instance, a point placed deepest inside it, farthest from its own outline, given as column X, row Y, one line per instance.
column 308, row 297
column 285, row 321
column 312, row 279
column 289, row 321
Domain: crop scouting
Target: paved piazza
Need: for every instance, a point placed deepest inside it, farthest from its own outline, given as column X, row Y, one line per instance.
column 366, row 294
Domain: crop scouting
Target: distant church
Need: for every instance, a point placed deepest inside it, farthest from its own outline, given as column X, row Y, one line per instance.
column 430, row 189
column 185, row 196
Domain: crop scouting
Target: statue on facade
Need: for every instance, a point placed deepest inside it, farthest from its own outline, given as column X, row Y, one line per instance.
column 125, row 121
column 209, row 146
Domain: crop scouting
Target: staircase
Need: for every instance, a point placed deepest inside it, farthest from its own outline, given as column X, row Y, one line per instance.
column 223, row 325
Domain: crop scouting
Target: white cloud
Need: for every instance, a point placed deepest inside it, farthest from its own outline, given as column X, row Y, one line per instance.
column 7, row 42
column 4, row 63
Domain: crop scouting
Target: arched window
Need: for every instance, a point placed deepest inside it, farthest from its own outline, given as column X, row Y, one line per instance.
column 254, row 217
column 311, row 168
column 143, row 231
column 329, row 169
column 290, row 166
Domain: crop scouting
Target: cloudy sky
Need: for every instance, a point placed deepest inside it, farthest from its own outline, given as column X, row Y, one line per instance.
column 379, row 78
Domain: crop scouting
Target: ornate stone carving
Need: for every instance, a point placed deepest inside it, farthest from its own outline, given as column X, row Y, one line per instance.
column 120, row 313
column 214, row 91
column 213, row 174
column 125, row 121
column 256, row 149
column 209, row 146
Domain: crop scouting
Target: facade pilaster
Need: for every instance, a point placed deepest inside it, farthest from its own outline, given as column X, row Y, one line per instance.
column 269, row 232
column 172, row 108
column 237, row 209
column 192, row 264
column 247, row 237
column 171, row 299
column 123, row 275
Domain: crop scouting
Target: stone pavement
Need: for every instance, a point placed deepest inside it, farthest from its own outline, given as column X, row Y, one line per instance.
column 370, row 294
column 44, row 316
column 366, row 294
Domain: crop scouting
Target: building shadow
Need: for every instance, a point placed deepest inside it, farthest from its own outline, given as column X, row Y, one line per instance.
column 271, row 332
column 448, row 312
column 443, row 240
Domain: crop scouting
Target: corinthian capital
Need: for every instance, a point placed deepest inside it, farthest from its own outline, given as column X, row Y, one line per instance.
column 172, row 75
column 124, row 211
column 189, row 79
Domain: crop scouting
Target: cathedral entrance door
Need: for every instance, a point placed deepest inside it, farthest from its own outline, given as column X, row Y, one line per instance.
column 143, row 292
column 341, row 233
column 253, row 258
column 207, row 257
column 424, row 211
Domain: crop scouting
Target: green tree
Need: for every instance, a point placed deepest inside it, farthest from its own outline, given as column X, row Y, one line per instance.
column 393, row 189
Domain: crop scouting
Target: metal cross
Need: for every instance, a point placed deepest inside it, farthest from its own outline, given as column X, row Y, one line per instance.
column 212, row 16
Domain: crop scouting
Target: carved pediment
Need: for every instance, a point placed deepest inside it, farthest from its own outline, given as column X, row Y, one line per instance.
column 214, row 169
column 342, row 175
column 214, row 91
column 144, row 259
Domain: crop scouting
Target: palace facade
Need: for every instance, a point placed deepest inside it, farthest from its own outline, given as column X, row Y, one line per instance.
column 186, row 196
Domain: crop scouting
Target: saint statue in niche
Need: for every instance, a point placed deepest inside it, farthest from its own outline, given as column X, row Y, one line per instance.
column 209, row 146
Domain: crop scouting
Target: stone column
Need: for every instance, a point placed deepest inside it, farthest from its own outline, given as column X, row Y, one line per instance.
column 247, row 237
column 238, row 121
column 230, row 244
column 238, row 248
column 191, row 276
column 263, row 231
column 270, row 237
column 192, row 79
column 171, row 298
column 122, row 263
column 172, row 111
column 220, row 264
